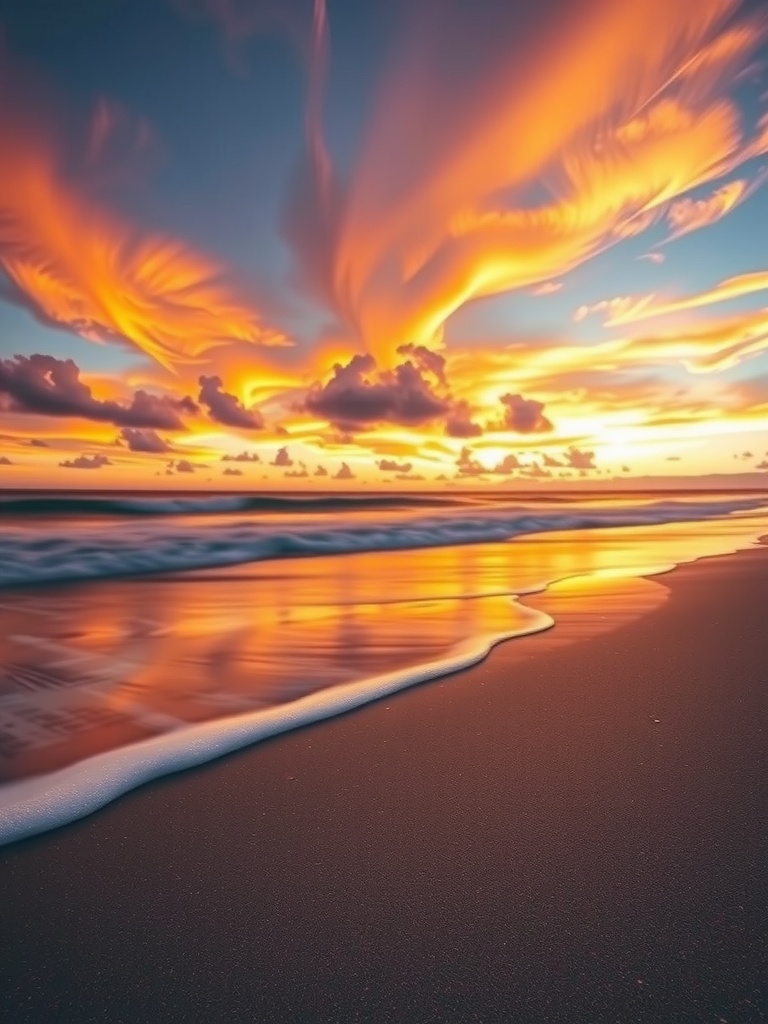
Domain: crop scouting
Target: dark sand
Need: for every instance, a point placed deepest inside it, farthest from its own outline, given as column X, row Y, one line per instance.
column 522, row 842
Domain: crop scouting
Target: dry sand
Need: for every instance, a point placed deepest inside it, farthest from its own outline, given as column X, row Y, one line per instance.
column 574, row 832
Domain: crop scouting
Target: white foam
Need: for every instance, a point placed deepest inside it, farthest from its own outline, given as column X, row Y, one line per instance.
column 45, row 802
column 61, row 553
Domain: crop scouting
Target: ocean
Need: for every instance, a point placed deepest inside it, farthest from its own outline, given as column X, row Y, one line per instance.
column 143, row 634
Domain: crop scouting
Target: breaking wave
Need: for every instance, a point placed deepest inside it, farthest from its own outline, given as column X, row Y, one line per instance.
column 59, row 553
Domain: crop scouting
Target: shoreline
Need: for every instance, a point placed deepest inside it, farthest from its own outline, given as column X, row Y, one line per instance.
column 566, row 833
column 36, row 804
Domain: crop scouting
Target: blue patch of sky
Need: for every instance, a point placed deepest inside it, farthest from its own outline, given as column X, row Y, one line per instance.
column 21, row 333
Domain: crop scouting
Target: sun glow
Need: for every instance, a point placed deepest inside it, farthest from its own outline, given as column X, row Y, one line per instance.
column 518, row 193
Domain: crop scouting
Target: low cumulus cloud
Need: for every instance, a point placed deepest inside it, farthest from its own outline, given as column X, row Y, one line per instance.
column 344, row 473
column 45, row 386
column 230, row 471
column 393, row 466
column 242, row 457
column 468, row 465
column 358, row 395
column 298, row 473
column 535, row 471
column 521, row 416
column 183, row 466
column 426, row 360
column 415, row 393
column 5, row 461
column 507, row 465
column 459, row 422
column 575, row 458
column 143, row 440
column 282, row 459
column 86, row 462
column 321, row 471
column 226, row 408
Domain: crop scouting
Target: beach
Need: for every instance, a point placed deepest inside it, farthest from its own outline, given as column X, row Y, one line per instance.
column 573, row 830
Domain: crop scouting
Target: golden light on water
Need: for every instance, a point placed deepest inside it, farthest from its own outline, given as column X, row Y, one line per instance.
column 114, row 662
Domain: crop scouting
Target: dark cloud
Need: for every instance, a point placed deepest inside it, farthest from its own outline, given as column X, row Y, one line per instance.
column 282, row 458
column 5, row 461
column 242, row 457
column 344, row 473
column 86, row 462
column 426, row 360
column 762, row 465
column 144, row 440
column 229, row 471
column 358, row 395
column 521, row 415
column 551, row 462
column 297, row 473
column 37, row 442
column 46, row 386
column 321, row 471
column 184, row 466
column 673, row 458
column 408, row 476
column 392, row 466
column 459, row 421
column 225, row 408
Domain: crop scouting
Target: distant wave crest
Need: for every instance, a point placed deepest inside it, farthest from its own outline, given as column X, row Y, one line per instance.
column 58, row 553
column 106, row 505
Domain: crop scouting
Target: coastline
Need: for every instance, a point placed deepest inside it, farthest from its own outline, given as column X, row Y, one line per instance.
column 563, row 833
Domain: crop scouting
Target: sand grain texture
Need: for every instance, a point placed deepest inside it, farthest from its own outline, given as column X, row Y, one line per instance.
column 570, row 832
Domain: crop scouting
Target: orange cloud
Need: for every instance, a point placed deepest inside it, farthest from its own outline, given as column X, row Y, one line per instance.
column 686, row 215
column 643, row 124
column 547, row 288
column 79, row 264
column 628, row 309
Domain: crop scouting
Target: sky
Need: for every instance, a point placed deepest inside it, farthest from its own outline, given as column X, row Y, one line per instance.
column 258, row 244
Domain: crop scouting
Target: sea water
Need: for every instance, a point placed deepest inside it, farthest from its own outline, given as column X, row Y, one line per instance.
column 141, row 636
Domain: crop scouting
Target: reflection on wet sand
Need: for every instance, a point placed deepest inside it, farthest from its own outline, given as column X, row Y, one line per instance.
column 91, row 667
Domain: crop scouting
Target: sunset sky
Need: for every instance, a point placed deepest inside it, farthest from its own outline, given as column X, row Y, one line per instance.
column 284, row 243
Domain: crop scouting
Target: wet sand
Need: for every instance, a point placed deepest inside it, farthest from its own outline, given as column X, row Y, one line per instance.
column 574, row 831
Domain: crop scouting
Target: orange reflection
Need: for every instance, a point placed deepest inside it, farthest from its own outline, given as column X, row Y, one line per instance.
column 92, row 667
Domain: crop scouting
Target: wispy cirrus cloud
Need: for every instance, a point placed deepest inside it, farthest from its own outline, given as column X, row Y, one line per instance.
column 632, row 309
